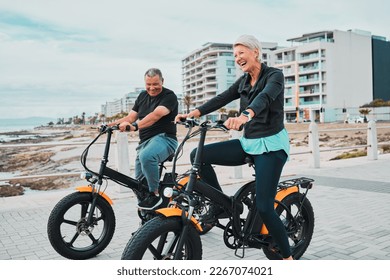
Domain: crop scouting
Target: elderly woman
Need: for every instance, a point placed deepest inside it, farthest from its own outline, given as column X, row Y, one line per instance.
column 261, row 93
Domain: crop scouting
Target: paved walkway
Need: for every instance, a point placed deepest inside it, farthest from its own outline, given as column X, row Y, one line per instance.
column 350, row 200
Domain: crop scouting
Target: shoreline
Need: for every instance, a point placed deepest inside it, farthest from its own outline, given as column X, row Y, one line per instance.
column 37, row 160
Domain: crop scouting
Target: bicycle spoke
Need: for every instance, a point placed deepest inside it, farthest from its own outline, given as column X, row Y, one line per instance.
column 155, row 252
column 73, row 223
column 93, row 239
column 74, row 238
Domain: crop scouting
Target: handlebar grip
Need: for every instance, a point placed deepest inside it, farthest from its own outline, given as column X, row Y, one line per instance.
column 128, row 128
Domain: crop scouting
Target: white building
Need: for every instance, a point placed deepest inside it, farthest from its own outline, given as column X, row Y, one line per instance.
column 208, row 71
column 124, row 104
column 326, row 74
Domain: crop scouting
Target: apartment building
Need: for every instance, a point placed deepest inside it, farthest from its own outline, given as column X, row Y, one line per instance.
column 381, row 67
column 207, row 72
column 124, row 104
column 328, row 75
column 210, row 70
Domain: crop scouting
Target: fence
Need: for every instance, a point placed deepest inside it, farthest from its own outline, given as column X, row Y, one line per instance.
column 122, row 150
column 372, row 143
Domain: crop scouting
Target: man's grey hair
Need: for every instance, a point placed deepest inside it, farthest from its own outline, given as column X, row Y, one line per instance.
column 250, row 42
column 153, row 72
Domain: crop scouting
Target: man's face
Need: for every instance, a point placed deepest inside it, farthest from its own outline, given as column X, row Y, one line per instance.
column 153, row 85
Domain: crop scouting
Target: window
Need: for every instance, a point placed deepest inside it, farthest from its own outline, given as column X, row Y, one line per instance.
column 229, row 62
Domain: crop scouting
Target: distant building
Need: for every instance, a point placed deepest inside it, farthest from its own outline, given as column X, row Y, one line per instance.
column 207, row 72
column 326, row 74
column 210, row 70
column 124, row 104
column 381, row 67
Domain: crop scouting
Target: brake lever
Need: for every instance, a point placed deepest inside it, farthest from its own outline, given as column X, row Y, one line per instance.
column 220, row 124
column 103, row 128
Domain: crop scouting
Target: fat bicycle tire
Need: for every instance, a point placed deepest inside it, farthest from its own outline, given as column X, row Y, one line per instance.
column 299, row 237
column 149, row 240
column 66, row 230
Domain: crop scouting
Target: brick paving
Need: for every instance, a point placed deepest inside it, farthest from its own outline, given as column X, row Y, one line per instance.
column 350, row 200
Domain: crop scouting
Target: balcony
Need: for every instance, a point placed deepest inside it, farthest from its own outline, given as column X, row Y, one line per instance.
column 306, row 57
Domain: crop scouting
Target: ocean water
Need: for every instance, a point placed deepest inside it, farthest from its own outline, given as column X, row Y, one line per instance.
column 7, row 126
column 16, row 125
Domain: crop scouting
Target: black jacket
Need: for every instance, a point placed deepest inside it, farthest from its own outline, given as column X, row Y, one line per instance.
column 266, row 99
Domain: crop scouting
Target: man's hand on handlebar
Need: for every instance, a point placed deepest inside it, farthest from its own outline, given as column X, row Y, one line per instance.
column 126, row 126
column 180, row 118
column 123, row 126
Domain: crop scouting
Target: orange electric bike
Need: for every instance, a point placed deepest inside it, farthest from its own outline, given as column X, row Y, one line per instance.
column 174, row 233
column 82, row 224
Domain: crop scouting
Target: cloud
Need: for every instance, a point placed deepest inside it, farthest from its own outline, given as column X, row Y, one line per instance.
column 71, row 56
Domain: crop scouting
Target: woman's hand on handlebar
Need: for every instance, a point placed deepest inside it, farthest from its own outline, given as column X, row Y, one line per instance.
column 236, row 123
column 193, row 114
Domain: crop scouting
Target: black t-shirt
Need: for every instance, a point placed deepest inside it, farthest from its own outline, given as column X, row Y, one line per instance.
column 146, row 104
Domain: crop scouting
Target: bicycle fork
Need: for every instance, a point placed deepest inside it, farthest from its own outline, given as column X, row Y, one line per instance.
column 186, row 220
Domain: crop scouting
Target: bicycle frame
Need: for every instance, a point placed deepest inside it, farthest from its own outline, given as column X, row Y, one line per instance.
column 105, row 172
column 253, row 226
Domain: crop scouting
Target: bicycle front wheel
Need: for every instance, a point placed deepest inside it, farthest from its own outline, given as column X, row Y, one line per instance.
column 69, row 232
column 157, row 239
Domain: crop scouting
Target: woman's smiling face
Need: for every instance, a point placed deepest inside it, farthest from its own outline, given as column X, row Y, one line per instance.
column 245, row 58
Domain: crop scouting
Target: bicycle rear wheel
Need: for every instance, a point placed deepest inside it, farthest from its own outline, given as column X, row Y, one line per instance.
column 299, row 227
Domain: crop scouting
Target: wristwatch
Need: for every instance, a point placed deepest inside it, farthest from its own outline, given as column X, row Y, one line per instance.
column 246, row 114
column 135, row 126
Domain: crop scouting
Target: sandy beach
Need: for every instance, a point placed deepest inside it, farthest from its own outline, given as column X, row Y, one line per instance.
column 57, row 150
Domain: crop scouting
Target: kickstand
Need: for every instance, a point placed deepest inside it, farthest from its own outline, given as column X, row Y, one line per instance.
column 243, row 252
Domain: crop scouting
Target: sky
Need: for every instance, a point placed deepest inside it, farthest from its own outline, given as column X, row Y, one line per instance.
column 65, row 57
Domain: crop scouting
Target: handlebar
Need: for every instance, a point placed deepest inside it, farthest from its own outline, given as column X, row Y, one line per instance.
column 190, row 123
column 105, row 128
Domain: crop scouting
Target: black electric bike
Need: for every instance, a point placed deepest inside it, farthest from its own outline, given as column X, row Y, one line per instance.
column 82, row 224
column 174, row 232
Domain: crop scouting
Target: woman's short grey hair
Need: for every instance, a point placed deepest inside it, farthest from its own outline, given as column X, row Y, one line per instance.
column 153, row 72
column 250, row 42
